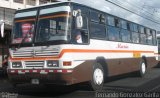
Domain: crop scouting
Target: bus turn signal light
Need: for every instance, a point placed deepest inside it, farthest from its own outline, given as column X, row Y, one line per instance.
column 67, row 63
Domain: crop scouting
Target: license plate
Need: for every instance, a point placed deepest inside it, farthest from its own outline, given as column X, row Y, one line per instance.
column 35, row 81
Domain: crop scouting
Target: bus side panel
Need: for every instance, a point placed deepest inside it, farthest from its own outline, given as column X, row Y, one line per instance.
column 83, row 72
column 122, row 66
column 151, row 62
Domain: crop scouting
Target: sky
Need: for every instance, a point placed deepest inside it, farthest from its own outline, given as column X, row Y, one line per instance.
column 147, row 4
column 143, row 8
column 154, row 3
column 148, row 7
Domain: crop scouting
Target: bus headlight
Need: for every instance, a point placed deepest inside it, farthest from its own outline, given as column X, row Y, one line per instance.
column 16, row 65
column 52, row 64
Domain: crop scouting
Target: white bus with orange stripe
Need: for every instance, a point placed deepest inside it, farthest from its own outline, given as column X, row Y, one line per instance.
column 45, row 47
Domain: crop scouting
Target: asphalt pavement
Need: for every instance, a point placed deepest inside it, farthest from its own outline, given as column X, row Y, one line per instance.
column 124, row 86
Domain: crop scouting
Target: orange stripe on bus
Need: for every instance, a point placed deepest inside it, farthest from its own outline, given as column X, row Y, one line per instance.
column 54, row 16
column 99, row 51
column 45, row 17
column 23, row 20
column 81, row 51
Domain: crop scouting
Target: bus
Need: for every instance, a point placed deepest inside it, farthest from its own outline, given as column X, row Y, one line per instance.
column 66, row 43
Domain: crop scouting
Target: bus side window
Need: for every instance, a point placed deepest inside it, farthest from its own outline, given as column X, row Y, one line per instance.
column 135, row 33
column 111, row 21
column 117, row 22
column 113, row 28
column 142, row 35
column 94, row 16
column 135, row 37
column 149, row 37
column 154, row 37
column 113, row 33
column 98, row 31
column 125, row 31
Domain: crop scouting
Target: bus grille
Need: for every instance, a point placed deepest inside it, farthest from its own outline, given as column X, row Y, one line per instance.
column 46, row 53
column 22, row 54
column 34, row 64
column 36, row 53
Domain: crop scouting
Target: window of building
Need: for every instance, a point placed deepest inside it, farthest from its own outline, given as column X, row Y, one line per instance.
column 9, row 15
column 31, row 2
column 46, row 1
column 97, row 30
column 18, row 1
column 42, row 1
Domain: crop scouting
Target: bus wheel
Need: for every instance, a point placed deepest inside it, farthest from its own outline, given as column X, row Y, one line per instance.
column 97, row 77
column 14, row 85
column 143, row 68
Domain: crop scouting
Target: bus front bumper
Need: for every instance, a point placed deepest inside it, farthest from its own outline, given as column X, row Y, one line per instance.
column 44, row 76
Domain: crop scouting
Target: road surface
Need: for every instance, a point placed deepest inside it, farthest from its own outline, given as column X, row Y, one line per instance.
column 121, row 86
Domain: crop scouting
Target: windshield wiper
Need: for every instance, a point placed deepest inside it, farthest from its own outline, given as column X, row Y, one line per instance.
column 22, row 41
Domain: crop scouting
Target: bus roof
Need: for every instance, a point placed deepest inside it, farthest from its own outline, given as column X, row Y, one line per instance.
column 110, row 8
column 58, row 2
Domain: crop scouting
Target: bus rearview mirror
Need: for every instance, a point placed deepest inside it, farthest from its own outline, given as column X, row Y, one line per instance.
column 75, row 13
column 79, row 22
column 2, row 30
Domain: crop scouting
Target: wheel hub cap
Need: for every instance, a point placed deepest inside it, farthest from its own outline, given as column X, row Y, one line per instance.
column 143, row 68
column 98, row 76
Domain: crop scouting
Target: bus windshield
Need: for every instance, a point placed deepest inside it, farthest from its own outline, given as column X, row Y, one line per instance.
column 24, row 26
column 23, row 30
column 52, row 28
column 52, row 25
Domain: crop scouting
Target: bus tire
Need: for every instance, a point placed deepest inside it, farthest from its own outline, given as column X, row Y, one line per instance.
column 97, row 80
column 143, row 68
column 14, row 85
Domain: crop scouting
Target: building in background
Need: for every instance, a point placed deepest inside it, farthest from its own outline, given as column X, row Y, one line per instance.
column 8, row 7
column 15, row 4
column 7, row 10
